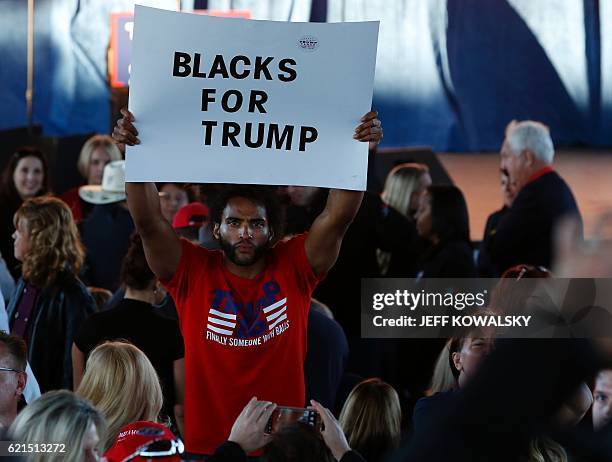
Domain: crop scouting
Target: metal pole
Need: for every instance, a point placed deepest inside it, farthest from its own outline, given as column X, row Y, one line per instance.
column 30, row 84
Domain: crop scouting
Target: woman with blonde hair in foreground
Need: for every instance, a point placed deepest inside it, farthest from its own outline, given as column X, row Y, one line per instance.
column 121, row 382
column 371, row 419
column 65, row 421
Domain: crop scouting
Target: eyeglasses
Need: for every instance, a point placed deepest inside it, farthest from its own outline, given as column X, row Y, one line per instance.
column 524, row 269
column 159, row 448
column 9, row 369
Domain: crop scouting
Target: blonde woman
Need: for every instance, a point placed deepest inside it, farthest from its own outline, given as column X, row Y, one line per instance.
column 97, row 151
column 49, row 302
column 60, row 417
column 122, row 383
column 371, row 419
column 443, row 379
column 404, row 186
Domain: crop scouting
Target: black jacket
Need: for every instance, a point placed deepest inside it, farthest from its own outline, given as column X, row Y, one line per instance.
column 58, row 312
column 485, row 268
column 106, row 236
column 524, row 234
column 450, row 259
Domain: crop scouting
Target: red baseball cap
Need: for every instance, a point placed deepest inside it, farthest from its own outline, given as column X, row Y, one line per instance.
column 193, row 214
column 142, row 440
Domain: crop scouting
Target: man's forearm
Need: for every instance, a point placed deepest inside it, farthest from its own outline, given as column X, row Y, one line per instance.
column 143, row 202
column 342, row 206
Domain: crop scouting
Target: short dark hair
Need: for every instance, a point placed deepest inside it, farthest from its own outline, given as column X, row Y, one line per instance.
column 449, row 214
column 263, row 195
column 297, row 442
column 16, row 348
column 135, row 271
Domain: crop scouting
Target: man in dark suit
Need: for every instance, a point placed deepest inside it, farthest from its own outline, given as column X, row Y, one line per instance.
column 525, row 233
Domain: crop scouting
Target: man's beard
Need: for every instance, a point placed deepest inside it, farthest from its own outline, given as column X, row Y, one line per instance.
column 230, row 252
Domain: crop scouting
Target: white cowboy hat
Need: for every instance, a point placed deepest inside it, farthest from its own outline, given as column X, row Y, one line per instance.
column 112, row 188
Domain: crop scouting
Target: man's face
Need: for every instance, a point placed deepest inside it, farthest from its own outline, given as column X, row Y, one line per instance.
column 508, row 189
column 244, row 233
column 518, row 166
column 602, row 399
column 468, row 360
column 12, row 384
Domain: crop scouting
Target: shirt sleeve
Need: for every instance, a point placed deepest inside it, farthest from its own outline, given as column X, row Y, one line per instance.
column 294, row 251
column 193, row 259
column 86, row 335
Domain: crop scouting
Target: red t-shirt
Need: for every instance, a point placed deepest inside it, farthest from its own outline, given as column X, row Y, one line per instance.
column 243, row 337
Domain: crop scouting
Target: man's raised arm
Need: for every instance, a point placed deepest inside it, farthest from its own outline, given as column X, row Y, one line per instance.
column 161, row 245
column 326, row 233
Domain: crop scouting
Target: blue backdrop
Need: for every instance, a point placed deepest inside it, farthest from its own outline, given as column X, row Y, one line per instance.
column 450, row 73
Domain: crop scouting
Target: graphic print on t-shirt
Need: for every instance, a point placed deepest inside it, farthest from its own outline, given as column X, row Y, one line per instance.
column 237, row 323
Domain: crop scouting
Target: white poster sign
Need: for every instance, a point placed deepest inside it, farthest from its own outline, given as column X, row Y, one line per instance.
column 226, row 100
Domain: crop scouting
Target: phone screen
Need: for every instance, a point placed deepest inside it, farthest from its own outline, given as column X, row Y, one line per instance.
column 283, row 416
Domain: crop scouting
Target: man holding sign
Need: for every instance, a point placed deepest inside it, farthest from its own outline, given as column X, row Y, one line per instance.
column 245, row 102
column 243, row 310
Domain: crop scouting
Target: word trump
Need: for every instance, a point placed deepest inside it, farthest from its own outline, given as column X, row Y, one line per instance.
column 230, row 133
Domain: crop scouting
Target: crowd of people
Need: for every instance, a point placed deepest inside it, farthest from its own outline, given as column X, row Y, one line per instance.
column 222, row 321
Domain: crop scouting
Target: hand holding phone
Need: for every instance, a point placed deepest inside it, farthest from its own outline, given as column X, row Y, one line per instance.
column 284, row 416
column 332, row 432
column 248, row 429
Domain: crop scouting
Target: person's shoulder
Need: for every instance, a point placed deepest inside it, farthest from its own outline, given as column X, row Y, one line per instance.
column 496, row 216
column 98, row 320
column 191, row 249
column 560, row 186
column 165, row 323
column 548, row 192
column 73, row 290
column 196, row 259
column 434, row 402
column 66, row 280
column 289, row 244
column 549, row 181
column 324, row 325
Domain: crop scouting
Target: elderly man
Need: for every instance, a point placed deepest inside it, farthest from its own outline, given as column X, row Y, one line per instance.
column 13, row 377
column 524, row 234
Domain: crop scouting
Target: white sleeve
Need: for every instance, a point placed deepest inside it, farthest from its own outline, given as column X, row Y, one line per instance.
column 4, row 326
column 32, row 390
